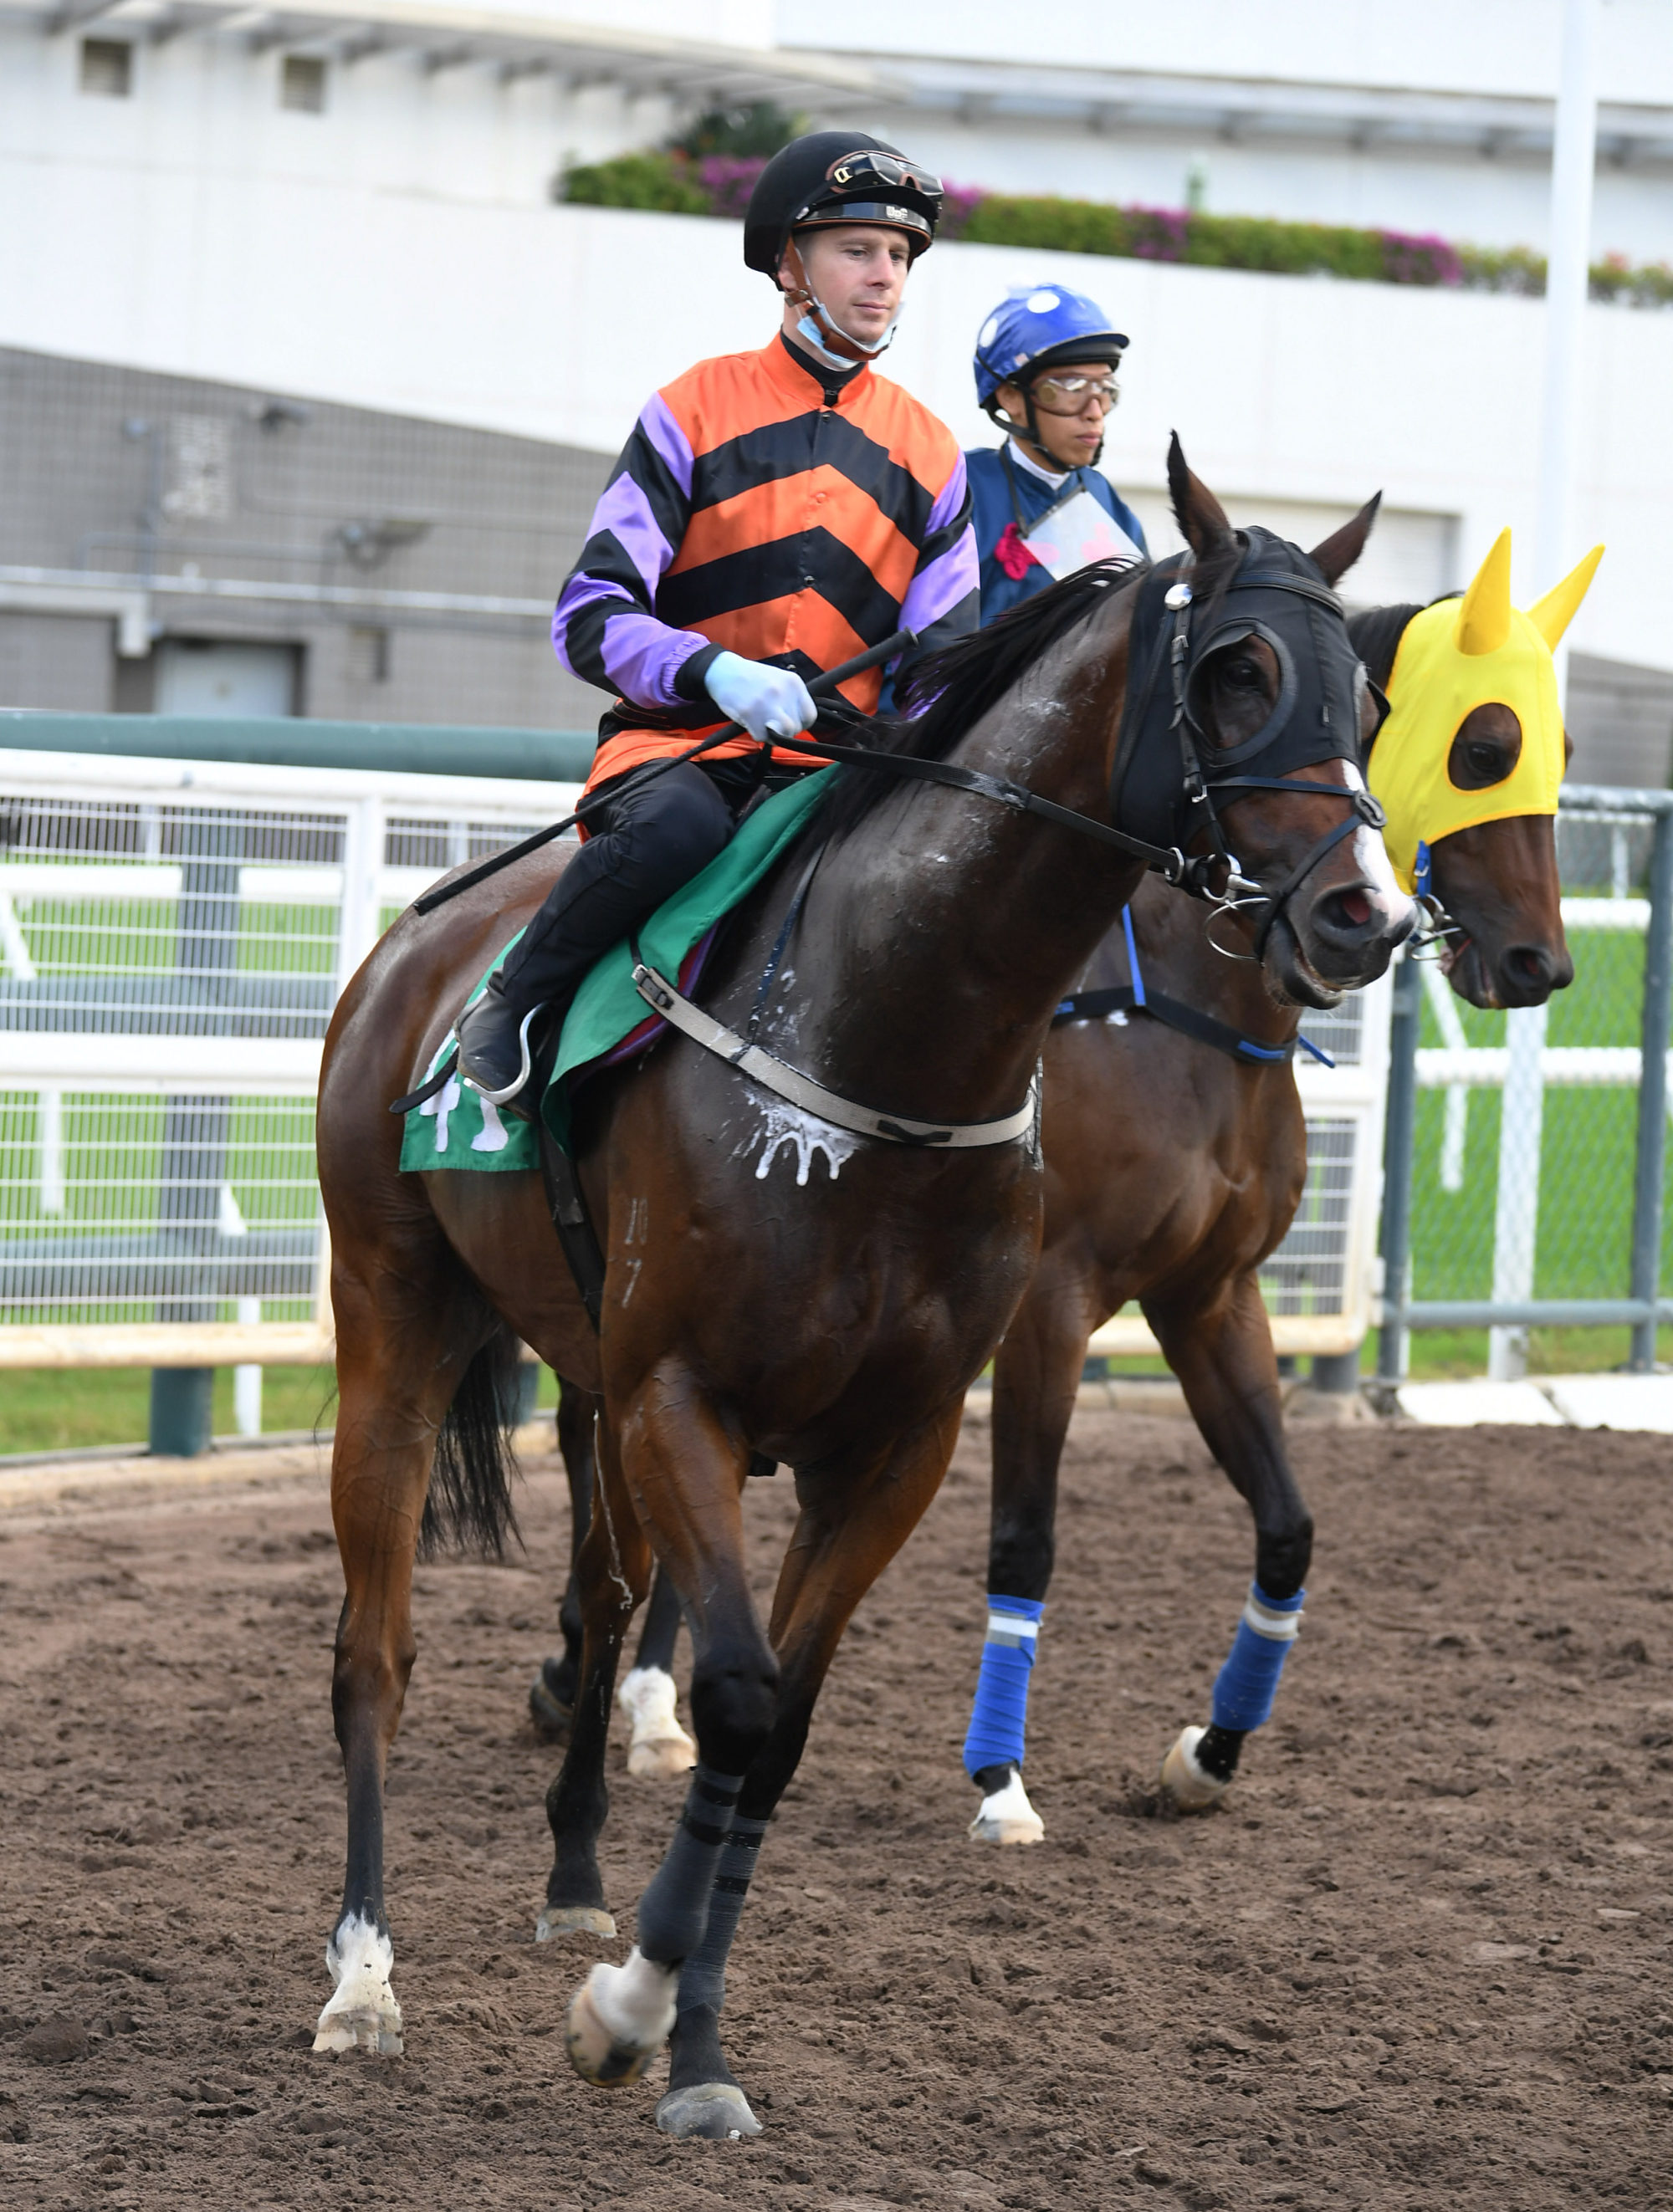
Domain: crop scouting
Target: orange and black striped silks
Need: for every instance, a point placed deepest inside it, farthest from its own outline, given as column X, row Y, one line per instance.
column 756, row 510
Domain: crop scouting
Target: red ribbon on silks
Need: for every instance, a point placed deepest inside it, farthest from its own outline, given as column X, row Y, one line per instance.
column 1013, row 554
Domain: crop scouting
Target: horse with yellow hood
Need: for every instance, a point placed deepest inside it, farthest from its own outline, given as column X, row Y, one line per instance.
column 1176, row 1150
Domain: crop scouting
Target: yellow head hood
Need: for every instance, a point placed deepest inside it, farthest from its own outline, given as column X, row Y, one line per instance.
column 1453, row 657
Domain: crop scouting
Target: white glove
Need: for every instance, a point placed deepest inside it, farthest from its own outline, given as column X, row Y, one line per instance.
column 767, row 701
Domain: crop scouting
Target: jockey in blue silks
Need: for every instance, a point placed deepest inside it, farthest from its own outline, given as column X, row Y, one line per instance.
column 1045, row 363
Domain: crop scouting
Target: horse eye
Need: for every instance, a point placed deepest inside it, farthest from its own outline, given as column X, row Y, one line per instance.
column 1485, row 760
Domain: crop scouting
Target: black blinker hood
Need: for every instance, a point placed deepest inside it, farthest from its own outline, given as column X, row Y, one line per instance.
column 1277, row 594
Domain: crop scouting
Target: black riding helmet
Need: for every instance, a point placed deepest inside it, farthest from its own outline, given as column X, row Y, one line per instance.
column 838, row 176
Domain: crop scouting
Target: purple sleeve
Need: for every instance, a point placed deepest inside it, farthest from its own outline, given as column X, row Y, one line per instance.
column 935, row 592
column 943, row 598
column 606, row 629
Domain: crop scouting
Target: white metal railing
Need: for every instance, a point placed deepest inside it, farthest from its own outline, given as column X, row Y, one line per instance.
column 173, row 936
column 1522, row 1070
column 1570, row 1189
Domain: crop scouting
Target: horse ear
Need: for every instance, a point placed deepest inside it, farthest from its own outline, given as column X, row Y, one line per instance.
column 1335, row 555
column 1203, row 522
column 1554, row 613
column 1484, row 611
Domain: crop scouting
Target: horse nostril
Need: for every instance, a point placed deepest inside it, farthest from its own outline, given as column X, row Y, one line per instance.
column 1530, row 964
column 1347, row 912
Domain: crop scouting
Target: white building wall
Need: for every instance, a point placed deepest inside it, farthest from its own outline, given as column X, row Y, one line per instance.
column 555, row 321
column 1432, row 46
column 1448, row 47
column 1465, row 199
column 209, row 105
column 204, row 117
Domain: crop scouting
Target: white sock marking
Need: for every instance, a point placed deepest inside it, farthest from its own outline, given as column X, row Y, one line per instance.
column 1006, row 1816
column 361, row 1959
column 635, row 2002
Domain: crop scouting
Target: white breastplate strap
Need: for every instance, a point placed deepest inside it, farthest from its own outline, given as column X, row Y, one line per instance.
column 812, row 1097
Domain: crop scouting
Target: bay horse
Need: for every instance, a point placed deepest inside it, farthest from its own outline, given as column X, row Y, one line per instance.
column 1174, row 1170
column 833, row 1325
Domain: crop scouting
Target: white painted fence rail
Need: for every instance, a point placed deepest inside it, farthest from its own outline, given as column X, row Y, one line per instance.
column 173, row 936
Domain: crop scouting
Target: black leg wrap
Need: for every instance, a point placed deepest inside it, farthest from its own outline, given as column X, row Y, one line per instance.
column 1217, row 1753
column 674, row 1910
column 697, row 2056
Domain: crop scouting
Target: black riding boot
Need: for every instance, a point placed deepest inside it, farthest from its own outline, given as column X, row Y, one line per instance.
column 652, row 841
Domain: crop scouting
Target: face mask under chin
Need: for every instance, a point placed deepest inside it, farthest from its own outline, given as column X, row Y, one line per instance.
column 811, row 335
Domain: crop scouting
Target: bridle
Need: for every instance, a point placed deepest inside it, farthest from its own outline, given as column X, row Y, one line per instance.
column 1183, row 658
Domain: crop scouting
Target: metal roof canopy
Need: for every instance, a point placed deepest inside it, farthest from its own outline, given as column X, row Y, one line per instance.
column 1252, row 110
column 441, row 37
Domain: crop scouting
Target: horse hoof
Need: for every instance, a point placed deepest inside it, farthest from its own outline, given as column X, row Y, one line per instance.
column 607, row 2045
column 1191, row 1787
column 1007, row 1817
column 661, row 1750
column 717, row 2111
column 572, row 1920
column 363, row 2031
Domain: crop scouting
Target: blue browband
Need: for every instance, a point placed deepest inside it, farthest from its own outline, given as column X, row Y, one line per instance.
column 1134, row 998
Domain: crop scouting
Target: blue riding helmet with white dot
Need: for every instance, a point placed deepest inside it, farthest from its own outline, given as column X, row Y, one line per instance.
column 1034, row 325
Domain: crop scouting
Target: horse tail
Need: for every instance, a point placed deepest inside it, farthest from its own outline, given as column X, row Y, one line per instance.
column 468, row 1507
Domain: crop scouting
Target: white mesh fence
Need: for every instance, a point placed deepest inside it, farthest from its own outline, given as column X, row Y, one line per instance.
column 173, row 941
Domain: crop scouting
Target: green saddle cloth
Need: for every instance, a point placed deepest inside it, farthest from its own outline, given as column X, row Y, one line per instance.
column 458, row 1129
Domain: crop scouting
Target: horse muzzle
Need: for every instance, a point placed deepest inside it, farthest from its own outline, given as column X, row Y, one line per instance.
column 1516, row 975
column 1338, row 940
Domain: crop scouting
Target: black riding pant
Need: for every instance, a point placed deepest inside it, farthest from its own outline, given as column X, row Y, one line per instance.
column 643, row 845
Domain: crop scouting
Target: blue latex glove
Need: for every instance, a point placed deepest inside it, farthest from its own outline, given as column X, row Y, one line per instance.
column 768, row 702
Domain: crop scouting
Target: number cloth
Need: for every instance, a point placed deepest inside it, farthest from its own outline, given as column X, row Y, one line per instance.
column 1008, row 501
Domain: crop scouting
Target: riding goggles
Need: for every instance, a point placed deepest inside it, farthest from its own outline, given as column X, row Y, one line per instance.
column 916, row 210
column 853, row 172
column 1068, row 395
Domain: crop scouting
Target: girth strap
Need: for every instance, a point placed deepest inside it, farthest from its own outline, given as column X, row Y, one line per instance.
column 574, row 1224
column 786, row 1082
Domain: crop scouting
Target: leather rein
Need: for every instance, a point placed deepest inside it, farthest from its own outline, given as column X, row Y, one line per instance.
column 1196, row 876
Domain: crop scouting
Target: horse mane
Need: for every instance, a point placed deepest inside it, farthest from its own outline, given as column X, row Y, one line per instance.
column 1375, row 634
column 949, row 691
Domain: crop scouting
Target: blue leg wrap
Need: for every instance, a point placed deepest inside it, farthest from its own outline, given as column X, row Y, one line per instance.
column 999, row 1720
column 1248, row 1681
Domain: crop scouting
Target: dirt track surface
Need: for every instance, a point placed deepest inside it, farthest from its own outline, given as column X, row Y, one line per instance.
column 1423, row 1959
